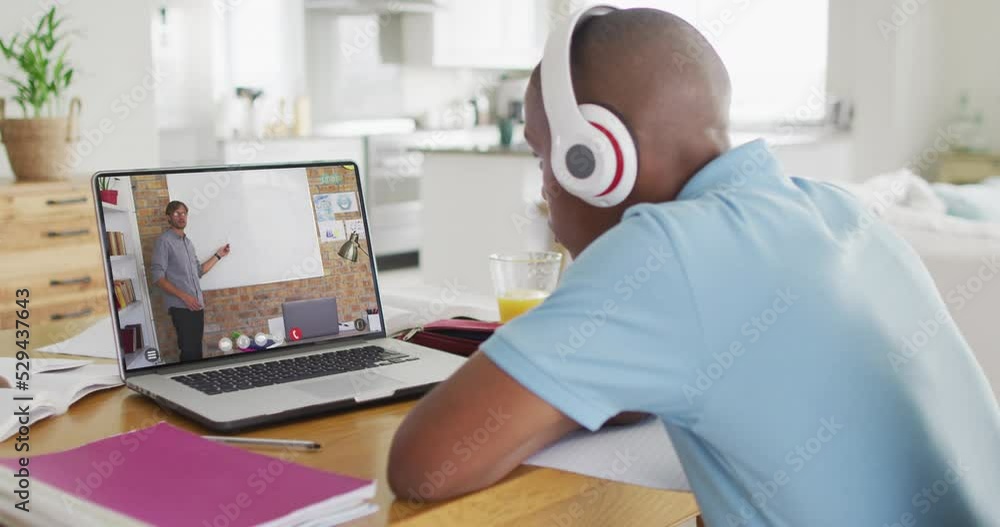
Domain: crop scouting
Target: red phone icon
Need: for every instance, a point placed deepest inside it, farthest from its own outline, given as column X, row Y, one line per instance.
column 295, row 334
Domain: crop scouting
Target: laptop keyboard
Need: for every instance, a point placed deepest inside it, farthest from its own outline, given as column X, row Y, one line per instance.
column 262, row 374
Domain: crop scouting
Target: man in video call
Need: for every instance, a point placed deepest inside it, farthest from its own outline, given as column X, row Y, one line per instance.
column 177, row 272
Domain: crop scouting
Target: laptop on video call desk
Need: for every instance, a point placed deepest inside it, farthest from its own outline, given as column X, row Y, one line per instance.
column 201, row 263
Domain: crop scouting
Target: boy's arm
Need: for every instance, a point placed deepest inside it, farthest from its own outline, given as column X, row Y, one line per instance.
column 470, row 432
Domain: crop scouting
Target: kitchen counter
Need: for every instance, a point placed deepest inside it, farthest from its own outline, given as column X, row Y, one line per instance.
column 519, row 150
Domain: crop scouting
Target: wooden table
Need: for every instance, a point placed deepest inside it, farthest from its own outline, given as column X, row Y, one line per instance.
column 357, row 443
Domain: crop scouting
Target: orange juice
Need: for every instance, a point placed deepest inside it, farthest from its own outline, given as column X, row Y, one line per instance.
column 517, row 301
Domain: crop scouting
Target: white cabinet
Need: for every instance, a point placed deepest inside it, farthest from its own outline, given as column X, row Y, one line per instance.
column 496, row 34
column 295, row 149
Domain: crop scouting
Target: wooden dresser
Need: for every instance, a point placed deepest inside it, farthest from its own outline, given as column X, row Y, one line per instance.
column 961, row 167
column 49, row 244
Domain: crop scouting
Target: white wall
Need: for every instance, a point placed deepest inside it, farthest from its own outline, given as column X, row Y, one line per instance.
column 214, row 47
column 188, row 47
column 348, row 78
column 973, row 64
column 904, row 63
column 266, row 49
column 114, row 78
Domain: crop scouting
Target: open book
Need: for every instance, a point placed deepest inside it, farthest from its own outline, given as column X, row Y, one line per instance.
column 54, row 384
column 163, row 475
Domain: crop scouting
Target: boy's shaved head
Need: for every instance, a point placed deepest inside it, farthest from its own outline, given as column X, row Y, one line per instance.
column 668, row 85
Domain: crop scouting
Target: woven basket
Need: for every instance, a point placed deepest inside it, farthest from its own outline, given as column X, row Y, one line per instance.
column 40, row 149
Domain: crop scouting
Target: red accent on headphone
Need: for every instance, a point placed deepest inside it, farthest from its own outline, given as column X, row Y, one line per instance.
column 619, row 160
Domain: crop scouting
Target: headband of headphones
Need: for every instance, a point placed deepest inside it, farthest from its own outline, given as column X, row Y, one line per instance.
column 593, row 154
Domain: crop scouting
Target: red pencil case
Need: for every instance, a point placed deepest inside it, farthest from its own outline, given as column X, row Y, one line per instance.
column 461, row 335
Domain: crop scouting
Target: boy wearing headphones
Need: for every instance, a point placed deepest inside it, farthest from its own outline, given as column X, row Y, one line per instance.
column 752, row 312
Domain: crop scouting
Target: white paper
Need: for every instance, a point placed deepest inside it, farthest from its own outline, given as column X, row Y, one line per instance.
column 327, row 206
column 96, row 341
column 639, row 454
column 276, row 326
column 357, row 226
column 345, row 202
column 331, row 231
column 335, row 517
column 8, row 365
column 429, row 303
column 53, row 393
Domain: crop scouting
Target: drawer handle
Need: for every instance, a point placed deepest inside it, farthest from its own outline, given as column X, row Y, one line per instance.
column 76, row 314
column 74, row 281
column 67, row 234
column 68, row 201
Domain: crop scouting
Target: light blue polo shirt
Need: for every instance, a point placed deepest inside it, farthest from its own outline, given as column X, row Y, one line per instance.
column 804, row 364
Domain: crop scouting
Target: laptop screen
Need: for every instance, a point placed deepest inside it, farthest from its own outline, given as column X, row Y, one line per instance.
column 210, row 262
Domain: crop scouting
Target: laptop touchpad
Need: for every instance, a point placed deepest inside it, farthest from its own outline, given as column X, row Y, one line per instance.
column 355, row 385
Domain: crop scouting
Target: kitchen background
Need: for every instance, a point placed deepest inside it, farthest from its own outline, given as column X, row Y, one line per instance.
column 414, row 91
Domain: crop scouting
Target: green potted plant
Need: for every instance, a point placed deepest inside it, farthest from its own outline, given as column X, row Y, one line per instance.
column 39, row 145
column 108, row 194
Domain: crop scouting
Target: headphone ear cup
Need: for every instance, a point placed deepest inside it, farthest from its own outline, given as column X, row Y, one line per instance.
column 616, row 152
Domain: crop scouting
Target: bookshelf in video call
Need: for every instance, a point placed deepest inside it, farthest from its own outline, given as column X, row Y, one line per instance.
column 121, row 218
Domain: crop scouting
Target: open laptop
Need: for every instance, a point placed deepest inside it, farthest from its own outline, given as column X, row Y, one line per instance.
column 313, row 318
column 205, row 295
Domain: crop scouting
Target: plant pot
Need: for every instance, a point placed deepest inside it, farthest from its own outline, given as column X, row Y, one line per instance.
column 109, row 196
column 40, row 149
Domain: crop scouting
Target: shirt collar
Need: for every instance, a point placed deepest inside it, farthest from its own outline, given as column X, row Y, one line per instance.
column 752, row 161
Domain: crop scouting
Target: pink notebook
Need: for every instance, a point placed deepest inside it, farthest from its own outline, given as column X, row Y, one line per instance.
column 163, row 475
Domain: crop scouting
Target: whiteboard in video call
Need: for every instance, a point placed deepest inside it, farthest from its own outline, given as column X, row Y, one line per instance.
column 266, row 217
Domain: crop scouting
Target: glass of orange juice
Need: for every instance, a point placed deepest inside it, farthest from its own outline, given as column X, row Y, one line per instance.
column 523, row 280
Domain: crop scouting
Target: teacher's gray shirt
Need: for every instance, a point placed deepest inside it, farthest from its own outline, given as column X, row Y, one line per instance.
column 174, row 257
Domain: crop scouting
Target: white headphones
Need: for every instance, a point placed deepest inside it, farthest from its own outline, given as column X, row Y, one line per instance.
column 593, row 154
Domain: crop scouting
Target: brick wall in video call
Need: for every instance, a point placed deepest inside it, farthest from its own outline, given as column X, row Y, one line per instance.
column 247, row 309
